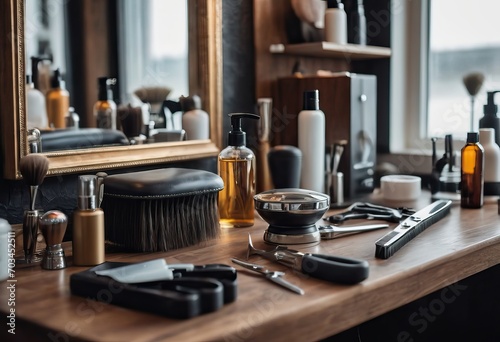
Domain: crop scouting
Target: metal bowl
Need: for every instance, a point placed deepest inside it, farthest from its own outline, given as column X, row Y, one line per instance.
column 292, row 207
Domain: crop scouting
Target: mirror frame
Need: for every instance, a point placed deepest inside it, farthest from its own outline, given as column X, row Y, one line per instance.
column 207, row 47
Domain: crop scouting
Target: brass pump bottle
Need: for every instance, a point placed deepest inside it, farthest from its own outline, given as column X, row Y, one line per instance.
column 88, row 225
column 472, row 172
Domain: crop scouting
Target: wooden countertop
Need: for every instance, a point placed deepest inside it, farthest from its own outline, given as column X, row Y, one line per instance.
column 463, row 243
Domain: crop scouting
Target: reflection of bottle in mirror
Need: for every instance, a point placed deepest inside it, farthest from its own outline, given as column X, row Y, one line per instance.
column 105, row 107
column 72, row 119
column 36, row 109
column 57, row 99
column 194, row 119
column 472, row 172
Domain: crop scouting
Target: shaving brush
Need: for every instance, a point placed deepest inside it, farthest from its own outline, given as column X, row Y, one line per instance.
column 33, row 168
column 473, row 83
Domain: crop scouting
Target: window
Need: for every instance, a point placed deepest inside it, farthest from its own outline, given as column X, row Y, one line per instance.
column 153, row 46
column 463, row 39
column 435, row 43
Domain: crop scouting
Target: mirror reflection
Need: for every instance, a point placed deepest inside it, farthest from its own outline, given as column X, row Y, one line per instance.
column 110, row 73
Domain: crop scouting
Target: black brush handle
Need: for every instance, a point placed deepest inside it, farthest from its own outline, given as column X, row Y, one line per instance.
column 335, row 269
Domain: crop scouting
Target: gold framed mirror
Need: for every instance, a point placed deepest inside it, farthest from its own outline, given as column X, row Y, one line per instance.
column 206, row 54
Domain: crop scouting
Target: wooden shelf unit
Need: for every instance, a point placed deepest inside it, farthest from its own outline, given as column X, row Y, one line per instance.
column 332, row 50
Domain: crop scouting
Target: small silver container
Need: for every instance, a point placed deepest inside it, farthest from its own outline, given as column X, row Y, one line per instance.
column 292, row 207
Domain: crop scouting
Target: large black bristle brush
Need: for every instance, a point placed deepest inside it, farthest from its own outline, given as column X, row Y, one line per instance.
column 33, row 168
column 161, row 210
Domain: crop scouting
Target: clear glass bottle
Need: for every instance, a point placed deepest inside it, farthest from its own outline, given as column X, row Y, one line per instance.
column 472, row 178
column 237, row 170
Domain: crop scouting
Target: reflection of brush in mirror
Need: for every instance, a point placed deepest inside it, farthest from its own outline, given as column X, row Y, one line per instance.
column 33, row 168
column 473, row 83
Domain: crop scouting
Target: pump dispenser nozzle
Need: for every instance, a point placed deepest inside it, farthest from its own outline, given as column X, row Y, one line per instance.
column 490, row 108
column 236, row 136
column 105, row 91
column 490, row 118
column 87, row 192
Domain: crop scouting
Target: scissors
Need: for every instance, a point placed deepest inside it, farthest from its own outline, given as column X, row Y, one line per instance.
column 191, row 292
column 327, row 267
column 363, row 210
column 274, row 276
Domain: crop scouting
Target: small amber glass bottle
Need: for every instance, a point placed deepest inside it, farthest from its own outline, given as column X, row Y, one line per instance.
column 472, row 172
column 57, row 102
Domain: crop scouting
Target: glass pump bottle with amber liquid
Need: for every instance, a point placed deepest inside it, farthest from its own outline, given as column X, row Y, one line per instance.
column 237, row 169
column 472, row 172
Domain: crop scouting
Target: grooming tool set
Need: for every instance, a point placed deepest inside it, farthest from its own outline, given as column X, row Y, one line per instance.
column 334, row 179
column 190, row 292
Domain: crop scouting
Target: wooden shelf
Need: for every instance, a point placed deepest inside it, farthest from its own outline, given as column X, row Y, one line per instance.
column 332, row 50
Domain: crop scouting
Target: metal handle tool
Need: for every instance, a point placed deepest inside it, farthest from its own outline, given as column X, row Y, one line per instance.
column 332, row 232
column 273, row 276
column 327, row 267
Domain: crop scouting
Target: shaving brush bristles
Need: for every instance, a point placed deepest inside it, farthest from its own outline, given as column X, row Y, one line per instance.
column 473, row 82
column 153, row 94
column 34, row 168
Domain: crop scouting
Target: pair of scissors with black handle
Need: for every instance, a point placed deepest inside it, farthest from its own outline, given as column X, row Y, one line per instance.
column 331, row 268
column 363, row 210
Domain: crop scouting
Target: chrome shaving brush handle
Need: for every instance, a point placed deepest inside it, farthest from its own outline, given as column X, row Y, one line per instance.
column 53, row 226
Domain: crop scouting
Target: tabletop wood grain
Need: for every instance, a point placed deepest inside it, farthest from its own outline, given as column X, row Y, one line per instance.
column 463, row 243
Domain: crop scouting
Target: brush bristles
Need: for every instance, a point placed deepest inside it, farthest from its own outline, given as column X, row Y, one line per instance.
column 34, row 168
column 473, row 82
column 161, row 224
column 383, row 251
column 152, row 94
